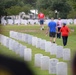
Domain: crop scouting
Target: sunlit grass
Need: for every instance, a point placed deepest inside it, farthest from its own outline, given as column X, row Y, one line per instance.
column 35, row 30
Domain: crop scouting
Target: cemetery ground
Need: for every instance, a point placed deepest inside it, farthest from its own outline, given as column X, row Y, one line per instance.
column 35, row 30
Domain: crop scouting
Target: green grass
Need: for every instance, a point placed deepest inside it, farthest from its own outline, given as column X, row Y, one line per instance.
column 35, row 30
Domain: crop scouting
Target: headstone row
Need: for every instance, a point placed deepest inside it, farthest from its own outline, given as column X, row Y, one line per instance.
column 33, row 22
column 52, row 65
column 18, row 48
column 47, row 46
column 19, row 22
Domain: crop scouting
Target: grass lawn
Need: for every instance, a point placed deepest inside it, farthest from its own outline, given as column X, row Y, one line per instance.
column 35, row 30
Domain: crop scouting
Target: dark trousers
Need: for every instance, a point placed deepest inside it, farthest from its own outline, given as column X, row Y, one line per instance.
column 59, row 34
column 65, row 38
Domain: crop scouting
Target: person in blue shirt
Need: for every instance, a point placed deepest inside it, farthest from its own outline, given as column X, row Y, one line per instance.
column 52, row 28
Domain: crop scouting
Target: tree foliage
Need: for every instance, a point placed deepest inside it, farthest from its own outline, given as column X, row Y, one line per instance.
column 72, row 14
column 15, row 10
column 60, row 5
column 48, row 7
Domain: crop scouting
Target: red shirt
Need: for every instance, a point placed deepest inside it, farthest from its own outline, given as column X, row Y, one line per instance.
column 64, row 31
column 41, row 16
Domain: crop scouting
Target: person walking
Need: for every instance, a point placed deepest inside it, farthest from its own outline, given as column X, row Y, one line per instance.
column 52, row 30
column 59, row 25
column 64, row 32
column 41, row 17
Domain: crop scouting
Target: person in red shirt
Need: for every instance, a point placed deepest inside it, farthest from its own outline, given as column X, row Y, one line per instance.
column 41, row 17
column 64, row 32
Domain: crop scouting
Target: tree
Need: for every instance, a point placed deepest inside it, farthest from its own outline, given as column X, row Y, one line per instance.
column 60, row 5
column 72, row 14
column 73, row 4
column 15, row 10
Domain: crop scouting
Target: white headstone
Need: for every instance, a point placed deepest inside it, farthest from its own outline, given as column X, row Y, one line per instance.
column 24, row 22
column 31, row 21
column 42, row 44
column 38, row 43
column 17, row 48
column 45, row 63
column 38, row 60
column 27, row 54
column 34, row 40
column 74, row 21
column 26, row 38
column 10, row 41
column 15, row 35
column 7, row 42
column 17, row 21
column 22, row 48
column 48, row 46
column 19, row 36
column 52, row 65
column 29, row 39
column 2, row 39
column 61, row 68
column 13, row 45
column 23, row 37
column 53, row 49
column 59, row 53
column 10, row 21
column 47, row 21
column 66, row 54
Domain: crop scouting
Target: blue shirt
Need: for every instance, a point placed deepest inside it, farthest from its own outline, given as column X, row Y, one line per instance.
column 52, row 26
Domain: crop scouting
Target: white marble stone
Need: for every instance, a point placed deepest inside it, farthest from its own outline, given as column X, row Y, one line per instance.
column 27, row 54
column 48, row 46
column 3, row 22
column 26, row 38
column 36, row 22
column 7, row 42
column 66, row 54
column 69, row 21
column 53, row 49
column 10, row 21
column 59, row 53
column 23, row 37
column 61, row 68
column 24, row 22
column 29, row 39
column 17, row 50
column 31, row 21
column 74, row 21
column 21, row 50
column 38, row 43
column 17, row 21
column 2, row 39
column 10, row 44
column 19, row 36
column 34, row 41
column 42, row 44
column 52, row 65
column 38, row 60
column 13, row 45
column 47, row 21
column 45, row 63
